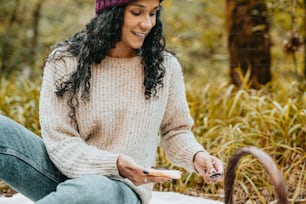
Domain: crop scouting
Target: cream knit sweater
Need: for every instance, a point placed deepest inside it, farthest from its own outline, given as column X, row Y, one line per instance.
column 117, row 120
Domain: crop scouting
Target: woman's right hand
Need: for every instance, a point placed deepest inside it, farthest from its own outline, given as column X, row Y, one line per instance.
column 129, row 169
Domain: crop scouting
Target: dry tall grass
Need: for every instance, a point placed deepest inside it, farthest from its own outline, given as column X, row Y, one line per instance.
column 227, row 119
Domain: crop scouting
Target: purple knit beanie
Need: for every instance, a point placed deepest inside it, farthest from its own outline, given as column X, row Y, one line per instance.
column 103, row 4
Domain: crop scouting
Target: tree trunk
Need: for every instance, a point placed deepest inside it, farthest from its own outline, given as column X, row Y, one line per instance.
column 248, row 42
column 35, row 26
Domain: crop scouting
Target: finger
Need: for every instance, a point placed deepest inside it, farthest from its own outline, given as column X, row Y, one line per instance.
column 214, row 178
column 218, row 165
column 210, row 169
column 207, row 179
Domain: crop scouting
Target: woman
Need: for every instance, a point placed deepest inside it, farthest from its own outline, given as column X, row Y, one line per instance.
column 107, row 93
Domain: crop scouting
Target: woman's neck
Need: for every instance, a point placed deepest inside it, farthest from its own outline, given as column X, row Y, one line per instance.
column 122, row 53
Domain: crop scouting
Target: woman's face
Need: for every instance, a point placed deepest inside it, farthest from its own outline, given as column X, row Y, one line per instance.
column 139, row 19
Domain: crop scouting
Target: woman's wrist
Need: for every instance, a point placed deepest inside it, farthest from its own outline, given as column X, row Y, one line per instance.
column 195, row 155
column 195, row 158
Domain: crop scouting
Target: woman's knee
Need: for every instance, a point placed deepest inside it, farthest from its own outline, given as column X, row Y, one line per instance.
column 96, row 189
column 3, row 124
column 8, row 127
column 5, row 132
column 4, row 120
column 16, row 136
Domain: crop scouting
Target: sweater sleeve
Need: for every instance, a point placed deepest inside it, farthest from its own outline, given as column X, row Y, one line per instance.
column 177, row 139
column 68, row 151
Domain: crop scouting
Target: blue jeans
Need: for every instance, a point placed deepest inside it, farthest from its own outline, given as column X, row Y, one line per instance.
column 26, row 167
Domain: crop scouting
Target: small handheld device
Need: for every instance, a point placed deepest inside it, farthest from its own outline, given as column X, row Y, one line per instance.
column 214, row 175
column 173, row 174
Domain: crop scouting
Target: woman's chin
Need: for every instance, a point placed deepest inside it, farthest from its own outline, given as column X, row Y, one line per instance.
column 137, row 47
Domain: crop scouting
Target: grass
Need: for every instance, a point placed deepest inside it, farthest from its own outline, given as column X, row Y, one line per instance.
column 19, row 100
column 226, row 119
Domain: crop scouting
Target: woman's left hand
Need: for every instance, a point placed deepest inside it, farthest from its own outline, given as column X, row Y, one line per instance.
column 210, row 167
column 129, row 169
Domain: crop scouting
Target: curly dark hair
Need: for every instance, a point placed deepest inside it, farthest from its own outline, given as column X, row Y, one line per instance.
column 92, row 44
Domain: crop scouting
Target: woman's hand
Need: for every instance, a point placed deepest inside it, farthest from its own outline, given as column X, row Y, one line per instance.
column 129, row 169
column 210, row 167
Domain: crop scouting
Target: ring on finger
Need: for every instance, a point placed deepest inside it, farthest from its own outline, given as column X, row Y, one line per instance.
column 145, row 180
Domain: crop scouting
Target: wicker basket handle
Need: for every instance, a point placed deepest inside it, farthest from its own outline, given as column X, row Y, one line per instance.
column 269, row 165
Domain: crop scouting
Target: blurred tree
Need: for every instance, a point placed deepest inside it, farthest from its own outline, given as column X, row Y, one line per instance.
column 28, row 28
column 194, row 29
column 294, row 41
column 36, row 15
column 249, row 41
column 19, row 34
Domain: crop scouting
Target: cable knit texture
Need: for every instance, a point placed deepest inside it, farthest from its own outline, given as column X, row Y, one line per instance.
column 117, row 120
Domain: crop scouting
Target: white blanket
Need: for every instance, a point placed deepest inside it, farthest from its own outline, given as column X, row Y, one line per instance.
column 158, row 198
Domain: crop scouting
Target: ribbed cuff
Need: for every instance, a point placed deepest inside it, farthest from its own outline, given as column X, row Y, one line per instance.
column 195, row 170
column 109, row 165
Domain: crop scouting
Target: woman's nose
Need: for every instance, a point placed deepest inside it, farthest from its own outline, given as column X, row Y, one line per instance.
column 146, row 23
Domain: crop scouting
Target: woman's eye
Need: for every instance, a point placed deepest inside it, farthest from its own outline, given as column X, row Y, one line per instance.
column 153, row 14
column 136, row 13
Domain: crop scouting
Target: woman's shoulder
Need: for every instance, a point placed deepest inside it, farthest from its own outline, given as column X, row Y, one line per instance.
column 171, row 62
column 61, row 58
column 59, row 53
column 60, row 63
column 169, row 56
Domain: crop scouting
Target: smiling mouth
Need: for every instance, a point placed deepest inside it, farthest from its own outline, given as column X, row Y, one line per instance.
column 140, row 35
